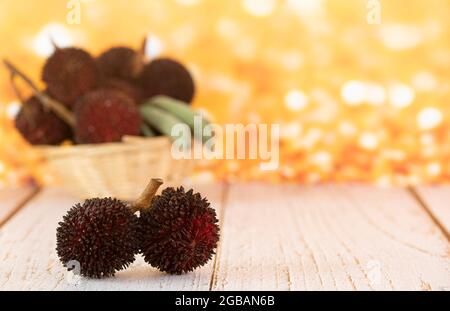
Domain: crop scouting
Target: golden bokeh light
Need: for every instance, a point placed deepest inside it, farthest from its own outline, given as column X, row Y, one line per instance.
column 355, row 101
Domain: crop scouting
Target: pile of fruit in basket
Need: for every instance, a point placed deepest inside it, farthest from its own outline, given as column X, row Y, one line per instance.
column 90, row 100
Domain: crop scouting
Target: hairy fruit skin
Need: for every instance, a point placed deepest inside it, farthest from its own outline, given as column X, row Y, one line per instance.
column 119, row 63
column 105, row 116
column 69, row 73
column 101, row 235
column 125, row 87
column 40, row 126
column 179, row 233
column 167, row 77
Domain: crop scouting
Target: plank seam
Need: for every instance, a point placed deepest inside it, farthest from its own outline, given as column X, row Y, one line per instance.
column 429, row 212
column 21, row 205
column 223, row 202
column 387, row 233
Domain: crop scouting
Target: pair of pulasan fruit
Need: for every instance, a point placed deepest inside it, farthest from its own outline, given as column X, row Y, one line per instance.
column 97, row 99
column 176, row 232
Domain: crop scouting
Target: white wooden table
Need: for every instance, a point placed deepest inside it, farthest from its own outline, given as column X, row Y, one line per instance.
column 274, row 237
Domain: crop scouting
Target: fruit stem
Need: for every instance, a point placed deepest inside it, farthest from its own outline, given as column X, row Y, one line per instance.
column 143, row 49
column 145, row 200
column 139, row 60
column 47, row 101
column 53, row 42
column 16, row 89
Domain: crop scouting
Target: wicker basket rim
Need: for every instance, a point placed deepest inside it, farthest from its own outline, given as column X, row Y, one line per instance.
column 128, row 144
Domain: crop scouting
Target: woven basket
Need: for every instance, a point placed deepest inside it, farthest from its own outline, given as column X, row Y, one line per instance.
column 119, row 170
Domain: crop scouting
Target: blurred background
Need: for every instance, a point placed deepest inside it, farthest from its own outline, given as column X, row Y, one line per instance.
column 356, row 101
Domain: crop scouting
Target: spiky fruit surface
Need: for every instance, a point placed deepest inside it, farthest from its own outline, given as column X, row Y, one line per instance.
column 126, row 87
column 179, row 232
column 40, row 126
column 120, row 63
column 167, row 77
column 105, row 116
column 101, row 235
column 70, row 73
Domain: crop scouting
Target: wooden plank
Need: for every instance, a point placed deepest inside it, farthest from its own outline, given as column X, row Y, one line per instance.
column 437, row 200
column 29, row 261
column 352, row 237
column 12, row 199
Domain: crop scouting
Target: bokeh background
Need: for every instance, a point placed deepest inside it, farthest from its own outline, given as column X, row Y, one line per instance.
column 356, row 101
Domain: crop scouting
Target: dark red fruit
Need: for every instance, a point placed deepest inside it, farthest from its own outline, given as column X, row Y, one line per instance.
column 120, row 63
column 125, row 87
column 105, row 116
column 70, row 73
column 167, row 77
column 179, row 232
column 101, row 235
column 40, row 126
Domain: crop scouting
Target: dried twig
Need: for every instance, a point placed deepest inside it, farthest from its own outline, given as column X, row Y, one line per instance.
column 46, row 100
